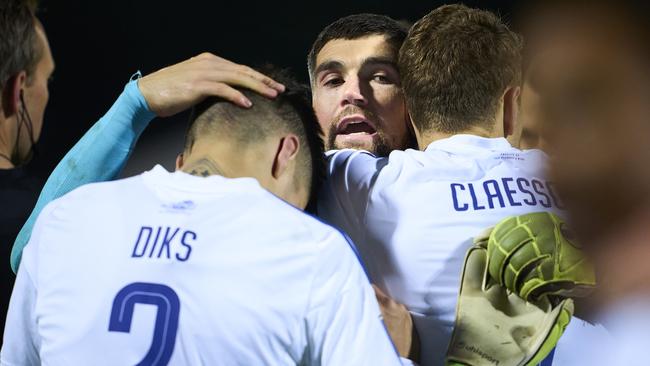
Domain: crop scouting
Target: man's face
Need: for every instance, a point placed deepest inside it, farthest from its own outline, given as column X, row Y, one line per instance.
column 357, row 96
column 595, row 88
column 36, row 92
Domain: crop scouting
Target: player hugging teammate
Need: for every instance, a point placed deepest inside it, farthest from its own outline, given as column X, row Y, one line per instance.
column 460, row 233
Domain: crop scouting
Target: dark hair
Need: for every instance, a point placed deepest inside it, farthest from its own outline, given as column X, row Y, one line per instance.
column 290, row 111
column 455, row 64
column 355, row 27
column 19, row 45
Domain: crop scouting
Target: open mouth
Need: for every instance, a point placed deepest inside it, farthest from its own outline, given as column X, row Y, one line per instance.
column 355, row 125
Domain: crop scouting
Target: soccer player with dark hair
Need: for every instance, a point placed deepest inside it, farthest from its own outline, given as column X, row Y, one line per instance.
column 236, row 272
column 356, row 86
column 414, row 214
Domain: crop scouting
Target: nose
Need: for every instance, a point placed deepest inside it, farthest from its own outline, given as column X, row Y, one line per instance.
column 352, row 94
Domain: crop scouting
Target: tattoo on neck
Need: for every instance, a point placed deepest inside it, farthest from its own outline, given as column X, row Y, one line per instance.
column 203, row 167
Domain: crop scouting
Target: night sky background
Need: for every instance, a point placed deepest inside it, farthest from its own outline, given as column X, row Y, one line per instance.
column 98, row 45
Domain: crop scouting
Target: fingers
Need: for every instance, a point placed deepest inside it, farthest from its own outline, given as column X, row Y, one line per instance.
column 218, row 69
column 226, row 92
column 246, row 80
column 382, row 298
column 385, row 301
column 264, row 79
column 180, row 86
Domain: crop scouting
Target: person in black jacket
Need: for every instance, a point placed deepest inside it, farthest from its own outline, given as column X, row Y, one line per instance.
column 26, row 66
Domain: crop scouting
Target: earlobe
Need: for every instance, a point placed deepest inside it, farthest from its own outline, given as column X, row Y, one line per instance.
column 511, row 110
column 287, row 151
column 410, row 127
column 12, row 92
column 179, row 161
column 408, row 120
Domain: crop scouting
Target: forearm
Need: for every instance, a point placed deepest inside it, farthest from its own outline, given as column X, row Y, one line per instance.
column 100, row 155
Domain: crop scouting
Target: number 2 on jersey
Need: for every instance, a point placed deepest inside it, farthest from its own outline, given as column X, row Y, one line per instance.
column 166, row 326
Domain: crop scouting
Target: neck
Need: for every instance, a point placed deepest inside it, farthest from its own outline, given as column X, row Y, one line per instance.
column 426, row 138
column 202, row 167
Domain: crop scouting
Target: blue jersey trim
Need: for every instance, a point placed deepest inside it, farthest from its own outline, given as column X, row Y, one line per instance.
column 548, row 361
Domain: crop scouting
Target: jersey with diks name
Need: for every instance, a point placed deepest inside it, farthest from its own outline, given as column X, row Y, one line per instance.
column 414, row 214
column 169, row 268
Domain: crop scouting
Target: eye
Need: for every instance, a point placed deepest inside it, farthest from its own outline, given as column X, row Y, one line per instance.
column 381, row 78
column 333, row 81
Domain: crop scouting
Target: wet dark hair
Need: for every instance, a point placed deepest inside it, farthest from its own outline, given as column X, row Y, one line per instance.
column 358, row 26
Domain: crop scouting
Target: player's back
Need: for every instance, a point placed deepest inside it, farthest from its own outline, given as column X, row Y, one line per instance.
column 194, row 271
column 418, row 212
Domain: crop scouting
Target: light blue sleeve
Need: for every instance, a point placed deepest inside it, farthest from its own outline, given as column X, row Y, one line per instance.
column 100, row 155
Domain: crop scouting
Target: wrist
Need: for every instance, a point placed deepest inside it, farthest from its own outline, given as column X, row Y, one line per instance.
column 134, row 99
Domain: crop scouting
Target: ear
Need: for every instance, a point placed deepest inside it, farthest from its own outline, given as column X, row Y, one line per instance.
column 287, row 152
column 511, row 110
column 11, row 93
column 410, row 127
column 179, row 161
column 418, row 139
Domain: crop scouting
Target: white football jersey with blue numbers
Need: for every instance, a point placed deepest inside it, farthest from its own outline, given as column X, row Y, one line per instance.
column 169, row 268
column 414, row 214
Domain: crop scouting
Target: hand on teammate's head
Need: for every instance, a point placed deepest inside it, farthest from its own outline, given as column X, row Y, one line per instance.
column 175, row 88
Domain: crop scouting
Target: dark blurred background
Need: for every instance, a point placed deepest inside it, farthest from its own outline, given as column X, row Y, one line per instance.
column 98, row 45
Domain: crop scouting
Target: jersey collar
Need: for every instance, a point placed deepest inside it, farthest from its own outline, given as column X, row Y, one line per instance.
column 188, row 182
column 459, row 143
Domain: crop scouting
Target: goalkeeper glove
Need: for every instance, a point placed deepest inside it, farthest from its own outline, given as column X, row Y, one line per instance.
column 534, row 255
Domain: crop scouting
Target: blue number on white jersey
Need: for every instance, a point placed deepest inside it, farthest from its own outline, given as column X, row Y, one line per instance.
column 164, row 333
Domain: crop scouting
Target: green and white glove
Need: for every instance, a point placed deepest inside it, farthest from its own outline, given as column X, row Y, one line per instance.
column 534, row 256
column 495, row 326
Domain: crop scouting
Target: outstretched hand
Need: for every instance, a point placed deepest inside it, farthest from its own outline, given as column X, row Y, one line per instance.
column 175, row 88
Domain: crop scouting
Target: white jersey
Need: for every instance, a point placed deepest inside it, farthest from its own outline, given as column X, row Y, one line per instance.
column 414, row 214
column 169, row 268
